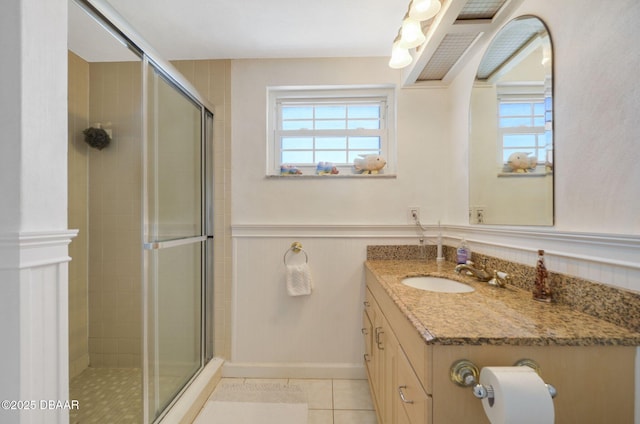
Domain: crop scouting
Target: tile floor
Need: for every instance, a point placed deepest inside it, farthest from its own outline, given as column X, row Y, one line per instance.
column 107, row 395
column 113, row 395
column 329, row 401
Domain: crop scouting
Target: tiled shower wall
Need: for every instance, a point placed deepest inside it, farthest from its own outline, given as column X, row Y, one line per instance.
column 115, row 202
column 104, row 205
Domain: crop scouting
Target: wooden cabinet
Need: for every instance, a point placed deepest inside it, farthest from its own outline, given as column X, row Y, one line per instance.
column 398, row 394
column 595, row 384
column 380, row 357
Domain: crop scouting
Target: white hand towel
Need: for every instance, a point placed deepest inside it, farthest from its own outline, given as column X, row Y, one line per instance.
column 299, row 282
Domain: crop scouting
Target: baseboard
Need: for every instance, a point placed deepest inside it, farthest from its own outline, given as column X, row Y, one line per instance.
column 297, row 370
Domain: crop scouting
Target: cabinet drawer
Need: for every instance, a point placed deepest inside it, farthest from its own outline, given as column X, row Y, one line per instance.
column 368, row 302
column 412, row 398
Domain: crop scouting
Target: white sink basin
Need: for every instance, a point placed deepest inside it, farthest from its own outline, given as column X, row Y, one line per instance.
column 437, row 284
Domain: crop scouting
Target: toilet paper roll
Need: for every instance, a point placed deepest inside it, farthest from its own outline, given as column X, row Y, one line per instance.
column 520, row 396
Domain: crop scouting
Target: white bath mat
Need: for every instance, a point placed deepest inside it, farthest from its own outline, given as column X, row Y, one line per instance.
column 241, row 402
column 227, row 412
column 230, row 390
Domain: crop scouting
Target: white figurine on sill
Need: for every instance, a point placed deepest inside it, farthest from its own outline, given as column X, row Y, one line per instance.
column 521, row 162
column 369, row 164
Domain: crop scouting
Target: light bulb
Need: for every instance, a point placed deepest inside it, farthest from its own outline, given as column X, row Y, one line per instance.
column 412, row 35
column 421, row 10
column 400, row 57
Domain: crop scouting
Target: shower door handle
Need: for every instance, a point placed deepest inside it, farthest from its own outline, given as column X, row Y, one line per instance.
column 156, row 245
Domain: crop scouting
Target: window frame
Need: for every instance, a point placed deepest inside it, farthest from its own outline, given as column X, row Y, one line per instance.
column 531, row 94
column 278, row 96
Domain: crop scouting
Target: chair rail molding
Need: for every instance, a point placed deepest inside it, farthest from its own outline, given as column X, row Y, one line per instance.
column 611, row 249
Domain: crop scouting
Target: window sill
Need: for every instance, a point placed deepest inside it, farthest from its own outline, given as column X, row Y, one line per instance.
column 524, row 174
column 329, row 176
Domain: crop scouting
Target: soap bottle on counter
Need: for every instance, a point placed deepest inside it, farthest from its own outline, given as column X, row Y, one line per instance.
column 463, row 254
column 541, row 288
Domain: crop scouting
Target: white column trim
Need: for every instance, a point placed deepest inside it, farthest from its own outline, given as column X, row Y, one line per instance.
column 44, row 248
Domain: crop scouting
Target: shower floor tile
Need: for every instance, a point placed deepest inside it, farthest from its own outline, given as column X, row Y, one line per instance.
column 107, row 395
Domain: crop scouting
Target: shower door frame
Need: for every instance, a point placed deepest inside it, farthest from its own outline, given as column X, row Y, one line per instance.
column 205, row 239
column 111, row 20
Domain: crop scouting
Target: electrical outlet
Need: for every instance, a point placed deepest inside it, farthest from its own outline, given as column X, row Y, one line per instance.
column 413, row 214
column 477, row 214
column 480, row 215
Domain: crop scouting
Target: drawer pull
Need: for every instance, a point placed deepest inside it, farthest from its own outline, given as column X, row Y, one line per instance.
column 364, row 331
column 366, row 357
column 402, row 398
column 378, row 341
column 366, row 303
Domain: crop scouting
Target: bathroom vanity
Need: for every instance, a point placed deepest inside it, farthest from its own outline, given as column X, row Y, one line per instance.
column 413, row 336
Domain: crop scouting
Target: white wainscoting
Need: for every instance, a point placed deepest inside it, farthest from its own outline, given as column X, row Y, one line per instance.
column 274, row 335
column 36, row 340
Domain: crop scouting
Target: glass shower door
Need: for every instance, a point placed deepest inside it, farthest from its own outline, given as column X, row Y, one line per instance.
column 174, row 242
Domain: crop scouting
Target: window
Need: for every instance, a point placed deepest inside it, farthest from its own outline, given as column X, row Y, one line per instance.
column 521, row 124
column 334, row 125
column 521, row 128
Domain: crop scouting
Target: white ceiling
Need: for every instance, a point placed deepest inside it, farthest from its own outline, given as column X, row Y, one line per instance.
column 223, row 29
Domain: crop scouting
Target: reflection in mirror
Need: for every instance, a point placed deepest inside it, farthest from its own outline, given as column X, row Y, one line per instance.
column 511, row 128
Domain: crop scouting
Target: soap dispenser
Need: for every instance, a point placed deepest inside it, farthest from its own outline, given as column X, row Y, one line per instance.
column 463, row 254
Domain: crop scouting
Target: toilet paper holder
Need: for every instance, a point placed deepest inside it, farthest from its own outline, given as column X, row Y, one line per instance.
column 464, row 373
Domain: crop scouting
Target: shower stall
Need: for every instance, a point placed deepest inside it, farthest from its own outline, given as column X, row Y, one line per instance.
column 140, row 280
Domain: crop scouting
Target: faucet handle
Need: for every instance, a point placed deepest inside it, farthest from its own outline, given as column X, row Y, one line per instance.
column 499, row 278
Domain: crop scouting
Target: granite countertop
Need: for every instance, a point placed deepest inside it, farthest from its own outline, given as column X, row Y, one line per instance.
column 489, row 315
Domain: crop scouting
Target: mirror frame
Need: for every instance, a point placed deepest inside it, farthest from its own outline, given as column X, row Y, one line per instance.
column 476, row 212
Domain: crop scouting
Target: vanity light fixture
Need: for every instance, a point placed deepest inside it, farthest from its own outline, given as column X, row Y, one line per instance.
column 421, row 10
column 411, row 35
column 400, row 56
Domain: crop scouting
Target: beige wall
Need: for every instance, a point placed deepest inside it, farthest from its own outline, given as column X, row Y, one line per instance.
column 78, row 192
column 212, row 79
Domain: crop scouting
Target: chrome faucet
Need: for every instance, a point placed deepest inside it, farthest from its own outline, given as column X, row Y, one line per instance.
column 480, row 274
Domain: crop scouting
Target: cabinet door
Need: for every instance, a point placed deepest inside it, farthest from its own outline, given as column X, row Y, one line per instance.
column 377, row 355
column 402, row 417
column 371, row 326
column 389, row 381
column 411, row 396
column 367, row 330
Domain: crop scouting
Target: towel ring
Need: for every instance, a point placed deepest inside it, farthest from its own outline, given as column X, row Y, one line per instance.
column 296, row 247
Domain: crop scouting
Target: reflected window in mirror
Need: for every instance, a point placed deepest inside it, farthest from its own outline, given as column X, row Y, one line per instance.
column 511, row 134
column 521, row 128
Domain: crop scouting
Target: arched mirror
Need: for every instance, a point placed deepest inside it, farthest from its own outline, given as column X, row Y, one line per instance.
column 511, row 128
